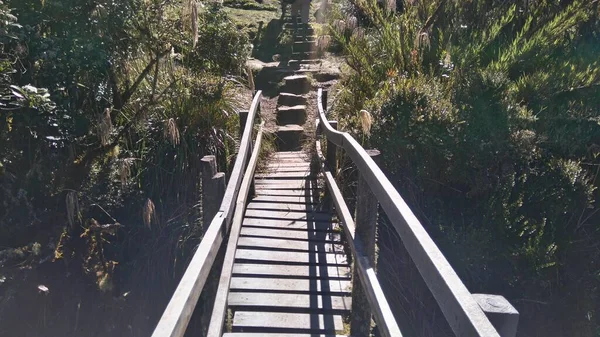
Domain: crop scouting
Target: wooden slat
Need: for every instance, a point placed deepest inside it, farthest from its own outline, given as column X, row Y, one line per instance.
column 266, row 190
column 290, row 224
column 297, row 302
column 291, row 271
column 291, row 321
column 261, row 256
column 285, row 175
column 456, row 302
column 304, row 285
column 287, row 199
column 275, row 168
column 280, row 206
column 282, row 164
column 316, row 216
column 285, row 244
column 284, row 234
column 262, row 334
column 285, row 183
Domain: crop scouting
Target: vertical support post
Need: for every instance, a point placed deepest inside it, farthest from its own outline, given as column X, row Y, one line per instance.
column 366, row 230
column 503, row 316
column 331, row 155
column 243, row 121
column 210, row 201
column 324, row 100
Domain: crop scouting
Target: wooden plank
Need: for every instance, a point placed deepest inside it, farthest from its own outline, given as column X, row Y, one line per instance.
column 314, row 258
column 285, row 175
column 279, row 245
column 285, row 183
column 315, row 216
column 456, row 302
column 291, row 168
column 292, row 271
column 283, row 234
column 263, row 334
column 290, row 321
column 284, row 164
column 310, row 199
column 290, row 224
column 279, row 206
column 305, row 285
column 266, row 190
column 308, row 302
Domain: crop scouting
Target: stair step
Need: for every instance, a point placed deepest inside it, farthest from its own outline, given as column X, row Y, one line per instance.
column 304, row 46
column 305, row 38
column 296, row 84
column 291, row 115
column 289, row 137
column 310, row 55
column 287, row 322
column 298, row 63
column 288, row 99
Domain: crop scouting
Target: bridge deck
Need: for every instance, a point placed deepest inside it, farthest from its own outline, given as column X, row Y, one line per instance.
column 290, row 276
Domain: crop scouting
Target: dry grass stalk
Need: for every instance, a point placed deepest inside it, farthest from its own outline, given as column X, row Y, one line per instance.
column 358, row 33
column 351, row 23
column 104, row 126
column 171, row 132
column 194, row 9
column 72, row 204
column 339, row 26
column 125, row 169
column 149, row 213
column 324, row 42
column 366, row 121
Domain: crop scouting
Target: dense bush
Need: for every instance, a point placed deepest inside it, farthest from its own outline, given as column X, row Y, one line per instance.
column 99, row 172
column 487, row 114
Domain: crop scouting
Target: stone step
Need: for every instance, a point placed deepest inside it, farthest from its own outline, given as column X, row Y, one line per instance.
column 297, row 63
column 288, row 99
column 305, row 38
column 296, row 84
column 311, row 55
column 291, row 115
column 289, row 137
column 304, row 46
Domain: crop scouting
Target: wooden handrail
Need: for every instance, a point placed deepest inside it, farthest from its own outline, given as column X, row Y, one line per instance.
column 176, row 316
column 462, row 312
column 219, row 312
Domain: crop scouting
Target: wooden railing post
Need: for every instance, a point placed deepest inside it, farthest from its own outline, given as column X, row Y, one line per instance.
column 331, row 152
column 500, row 312
column 366, row 228
column 243, row 119
column 213, row 188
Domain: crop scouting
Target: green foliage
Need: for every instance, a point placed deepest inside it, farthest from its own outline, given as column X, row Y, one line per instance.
column 103, row 164
column 487, row 116
column 248, row 4
column 221, row 48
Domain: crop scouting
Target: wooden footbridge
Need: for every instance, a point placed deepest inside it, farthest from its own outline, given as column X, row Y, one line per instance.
column 278, row 238
column 285, row 231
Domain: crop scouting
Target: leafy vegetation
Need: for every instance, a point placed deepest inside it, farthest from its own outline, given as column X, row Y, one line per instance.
column 99, row 170
column 487, row 116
